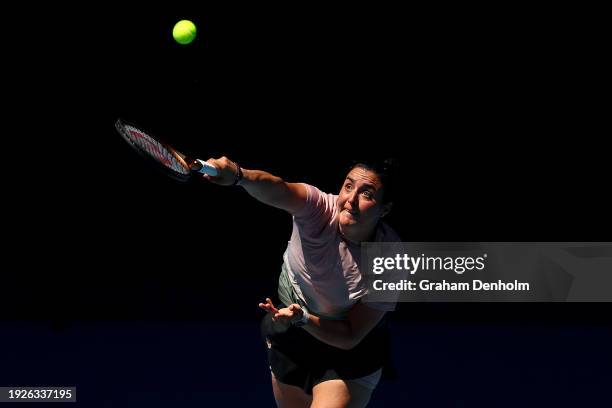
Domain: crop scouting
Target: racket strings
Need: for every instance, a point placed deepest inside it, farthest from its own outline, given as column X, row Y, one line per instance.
column 156, row 150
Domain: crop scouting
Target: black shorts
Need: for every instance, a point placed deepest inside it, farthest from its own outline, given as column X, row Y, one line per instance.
column 297, row 358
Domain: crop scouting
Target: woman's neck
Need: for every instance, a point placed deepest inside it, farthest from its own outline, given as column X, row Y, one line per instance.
column 357, row 240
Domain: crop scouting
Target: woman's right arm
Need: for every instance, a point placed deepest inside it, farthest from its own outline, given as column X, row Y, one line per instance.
column 263, row 186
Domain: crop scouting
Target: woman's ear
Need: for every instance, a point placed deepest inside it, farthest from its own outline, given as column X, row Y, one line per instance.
column 386, row 209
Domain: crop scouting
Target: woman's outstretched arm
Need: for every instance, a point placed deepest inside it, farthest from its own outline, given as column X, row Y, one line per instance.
column 263, row 186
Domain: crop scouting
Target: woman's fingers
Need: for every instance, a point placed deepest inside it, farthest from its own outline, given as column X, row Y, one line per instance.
column 283, row 315
column 268, row 306
column 269, row 302
column 285, row 312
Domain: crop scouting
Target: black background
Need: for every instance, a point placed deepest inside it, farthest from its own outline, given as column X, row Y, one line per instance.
column 494, row 114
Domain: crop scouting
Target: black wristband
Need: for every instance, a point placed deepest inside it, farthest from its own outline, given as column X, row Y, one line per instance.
column 238, row 174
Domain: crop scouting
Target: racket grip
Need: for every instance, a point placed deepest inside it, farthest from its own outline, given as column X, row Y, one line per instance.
column 207, row 168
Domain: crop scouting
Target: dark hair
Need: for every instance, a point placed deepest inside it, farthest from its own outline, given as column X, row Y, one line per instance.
column 387, row 171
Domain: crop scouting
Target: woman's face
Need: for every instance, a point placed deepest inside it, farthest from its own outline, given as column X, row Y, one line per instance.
column 360, row 204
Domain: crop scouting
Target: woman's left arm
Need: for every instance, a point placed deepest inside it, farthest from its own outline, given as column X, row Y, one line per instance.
column 344, row 334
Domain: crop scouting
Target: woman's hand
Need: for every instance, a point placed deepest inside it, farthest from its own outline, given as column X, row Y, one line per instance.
column 227, row 171
column 284, row 316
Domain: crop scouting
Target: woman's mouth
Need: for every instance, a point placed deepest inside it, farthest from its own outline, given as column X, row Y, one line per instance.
column 353, row 213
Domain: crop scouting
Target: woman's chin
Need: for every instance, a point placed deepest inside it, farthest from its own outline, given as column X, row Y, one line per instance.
column 346, row 224
column 346, row 219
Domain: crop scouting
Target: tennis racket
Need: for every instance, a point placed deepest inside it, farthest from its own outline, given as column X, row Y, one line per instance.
column 161, row 155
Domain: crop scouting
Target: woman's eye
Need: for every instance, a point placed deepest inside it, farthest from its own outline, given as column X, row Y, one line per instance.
column 367, row 194
column 348, row 187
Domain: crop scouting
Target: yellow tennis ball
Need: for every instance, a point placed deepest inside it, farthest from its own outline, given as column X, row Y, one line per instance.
column 184, row 32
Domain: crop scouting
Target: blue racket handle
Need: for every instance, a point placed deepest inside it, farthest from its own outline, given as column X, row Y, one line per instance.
column 207, row 168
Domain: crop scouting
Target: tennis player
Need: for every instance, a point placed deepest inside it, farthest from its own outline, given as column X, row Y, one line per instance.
column 326, row 346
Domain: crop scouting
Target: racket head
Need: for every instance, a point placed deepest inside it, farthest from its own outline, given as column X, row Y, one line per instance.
column 159, row 154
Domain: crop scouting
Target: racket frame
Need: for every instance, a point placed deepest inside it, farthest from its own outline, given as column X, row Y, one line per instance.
column 187, row 163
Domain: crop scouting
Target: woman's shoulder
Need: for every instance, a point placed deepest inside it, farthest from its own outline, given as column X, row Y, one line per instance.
column 319, row 205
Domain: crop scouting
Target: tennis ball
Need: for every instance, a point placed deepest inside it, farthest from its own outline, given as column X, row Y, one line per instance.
column 184, row 32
